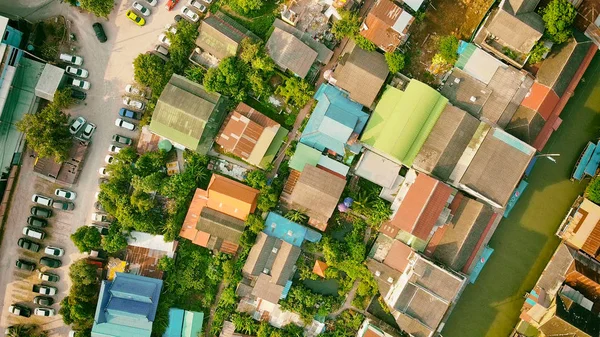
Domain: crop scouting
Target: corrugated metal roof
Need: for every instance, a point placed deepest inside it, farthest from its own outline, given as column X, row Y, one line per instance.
column 290, row 53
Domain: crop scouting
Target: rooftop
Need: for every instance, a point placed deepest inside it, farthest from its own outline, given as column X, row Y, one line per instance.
column 67, row 172
column 386, row 25
column 289, row 231
column 517, row 30
column 49, row 82
column 402, row 120
column 581, row 228
column 220, row 35
column 324, row 54
column 377, row 169
column 290, row 53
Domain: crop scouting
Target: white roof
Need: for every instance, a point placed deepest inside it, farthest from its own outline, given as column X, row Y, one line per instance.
column 49, row 82
column 402, row 22
column 482, row 66
column 155, row 242
column 414, row 4
column 3, row 24
column 377, row 169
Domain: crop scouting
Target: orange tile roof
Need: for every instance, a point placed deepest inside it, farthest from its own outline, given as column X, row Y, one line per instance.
column 188, row 229
column 432, row 211
column 379, row 23
column 320, row 268
column 398, row 255
column 231, row 197
column 239, row 135
column 414, row 203
column 541, row 99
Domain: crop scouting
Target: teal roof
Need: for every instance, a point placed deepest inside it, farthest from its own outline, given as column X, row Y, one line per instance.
column 402, row 120
column 192, row 324
column 304, row 155
column 333, row 121
column 289, row 231
column 175, row 323
column 465, row 50
column 126, row 306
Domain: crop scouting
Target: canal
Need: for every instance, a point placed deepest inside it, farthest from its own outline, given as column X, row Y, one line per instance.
column 525, row 241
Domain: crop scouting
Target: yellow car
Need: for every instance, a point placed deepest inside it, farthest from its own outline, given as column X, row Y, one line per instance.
column 135, row 18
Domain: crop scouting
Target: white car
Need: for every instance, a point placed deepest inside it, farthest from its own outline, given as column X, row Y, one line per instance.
column 198, row 5
column 76, row 125
column 47, row 312
column 109, row 159
column 103, row 172
column 162, row 38
column 124, row 124
column 62, row 193
column 99, row 217
column 190, row 14
column 152, row 3
column 42, row 200
column 54, row 251
column 133, row 103
column 114, row 148
column 79, row 72
column 171, row 28
column 130, row 89
column 137, row 6
column 85, row 85
column 88, row 131
column 73, row 59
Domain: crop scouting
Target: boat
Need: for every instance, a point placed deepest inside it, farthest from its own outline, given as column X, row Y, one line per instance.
column 583, row 161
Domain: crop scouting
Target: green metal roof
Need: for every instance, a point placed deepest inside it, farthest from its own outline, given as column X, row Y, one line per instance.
column 304, row 155
column 402, row 121
column 192, row 324
column 274, row 147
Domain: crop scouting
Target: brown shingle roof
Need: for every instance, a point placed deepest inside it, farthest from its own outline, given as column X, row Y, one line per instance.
column 290, row 53
column 220, row 225
column 397, row 257
column 519, row 32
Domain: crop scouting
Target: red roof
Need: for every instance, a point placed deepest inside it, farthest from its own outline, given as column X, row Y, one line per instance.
column 398, row 255
column 541, row 99
column 436, row 204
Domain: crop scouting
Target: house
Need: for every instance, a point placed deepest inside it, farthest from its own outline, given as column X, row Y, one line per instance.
column 420, row 294
column 316, row 194
column 290, row 53
column 126, row 306
column 215, row 219
column 324, row 54
column 67, row 172
column 368, row 328
column 386, row 25
column 378, row 169
column 51, row 79
column 402, row 120
column 284, row 229
column 514, row 26
column 308, row 155
column 221, row 36
column 188, row 115
column 571, row 314
column 184, row 323
column 250, row 135
column 360, row 73
column 270, row 266
column 335, row 123
column 581, row 227
column 145, row 250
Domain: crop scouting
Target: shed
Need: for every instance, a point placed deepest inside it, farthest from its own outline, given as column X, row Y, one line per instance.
column 50, row 80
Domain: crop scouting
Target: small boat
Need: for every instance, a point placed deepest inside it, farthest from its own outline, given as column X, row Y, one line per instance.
column 583, row 161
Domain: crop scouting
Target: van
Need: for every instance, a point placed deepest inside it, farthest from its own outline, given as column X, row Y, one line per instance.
column 34, row 233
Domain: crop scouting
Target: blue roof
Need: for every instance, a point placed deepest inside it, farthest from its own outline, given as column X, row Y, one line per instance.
column 333, row 121
column 175, row 323
column 126, row 306
column 289, row 231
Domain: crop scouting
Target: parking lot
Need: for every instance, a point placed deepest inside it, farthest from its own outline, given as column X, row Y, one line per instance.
column 110, row 70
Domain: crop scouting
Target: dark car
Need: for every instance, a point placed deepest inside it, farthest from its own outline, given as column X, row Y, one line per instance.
column 45, row 276
column 50, row 262
column 99, row 32
column 63, row 205
column 43, row 300
column 37, row 222
column 41, row 212
column 102, row 229
column 28, row 244
column 19, row 310
column 80, row 95
column 24, row 264
column 128, row 113
column 122, row 139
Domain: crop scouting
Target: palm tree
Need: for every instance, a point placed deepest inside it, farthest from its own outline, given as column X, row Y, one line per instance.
column 22, row 330
column 296, row 216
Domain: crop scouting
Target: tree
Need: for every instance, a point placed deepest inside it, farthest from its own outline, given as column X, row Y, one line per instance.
column 295, row 91
column 255, row 223
column 364, row 43
column 47, row 133
column 558, row 17
column 115, row 241
column 256, row 179
column 296, row 216
column 100, row 8
column 447, row 49
column 537, row 53
column 395, row 61
column 182, row 45
column 24, row 330
column 87, row 238
column 151, row 71
column 228, row 78
column 592, row 191
column 347, row 26
column 245, row 6
column 63, row 99
column 195, row 74
column 79, row 306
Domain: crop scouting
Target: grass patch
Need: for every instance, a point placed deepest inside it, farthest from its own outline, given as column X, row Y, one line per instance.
column 267, row 110
column 258, row 22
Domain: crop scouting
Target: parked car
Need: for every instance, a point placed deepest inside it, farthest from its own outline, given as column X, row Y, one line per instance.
column 43, row 300
column 103, row 171
column 42, row 200
column 76, row 125
column 28, row 244
column 85, row 85
column 54, row 251
column 36, row 222
column 162, row 50
column 44, row 290
column 171, row 28
column 130, row 89
column 109, row 159
column 135, row 18
column 152, row 3
column 124, row 124
column 133, row 103
column 171, row 4
column 162, row 38
column 80, row 95
column 73, row 59
column 128, row 113
column 114, row 148
column 41, row 212
column 137, row 6
column 34, row 233
column 197, row 5
column 100, row 217
column 98, row 206
column 190, row 14
column 99, row 30
column 19, row 310
column 50, row 262
column 79, row 72
column 50, row 277
column 122, row 139
column 46, row 312
column 63, row 205
column 25, row 265
column 102, row 229
column 102, row 180
column 63, row 193
column 88, row 131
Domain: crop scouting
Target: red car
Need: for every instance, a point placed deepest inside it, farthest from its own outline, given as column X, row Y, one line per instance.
column 171, row 4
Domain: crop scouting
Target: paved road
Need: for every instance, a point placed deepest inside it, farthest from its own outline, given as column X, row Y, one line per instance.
column 110, row 70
